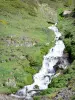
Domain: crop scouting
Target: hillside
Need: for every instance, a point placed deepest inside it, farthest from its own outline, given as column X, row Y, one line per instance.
column 25, row 38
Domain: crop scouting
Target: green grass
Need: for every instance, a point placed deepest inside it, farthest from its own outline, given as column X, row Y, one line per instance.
column 21, row 22
column 67, row 27
column 24, row 21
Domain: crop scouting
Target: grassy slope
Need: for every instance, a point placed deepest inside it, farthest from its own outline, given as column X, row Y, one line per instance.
column 21, row 22
column 18, row 20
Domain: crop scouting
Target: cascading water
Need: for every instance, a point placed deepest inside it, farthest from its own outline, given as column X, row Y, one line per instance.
column 43, row 78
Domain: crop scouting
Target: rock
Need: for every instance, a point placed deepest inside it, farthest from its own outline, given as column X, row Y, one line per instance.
column 22, row 57
column 64, row 94
column 7, row 97
column 67, row 13
column 10, row 83
column 28, row 98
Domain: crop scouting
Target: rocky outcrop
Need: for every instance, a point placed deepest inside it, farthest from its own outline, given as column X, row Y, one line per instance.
column 64, row 94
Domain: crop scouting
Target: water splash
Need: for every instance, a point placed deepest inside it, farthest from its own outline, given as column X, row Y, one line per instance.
column 43, row 78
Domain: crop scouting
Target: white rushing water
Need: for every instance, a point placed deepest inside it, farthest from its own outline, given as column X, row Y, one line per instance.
column 43, row 78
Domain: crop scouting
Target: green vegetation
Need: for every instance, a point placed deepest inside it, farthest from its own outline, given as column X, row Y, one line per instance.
column 24, row 34
column 66, row 25
column 25, row 38
column 73, row 97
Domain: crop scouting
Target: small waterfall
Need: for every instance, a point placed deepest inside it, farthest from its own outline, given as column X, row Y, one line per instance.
column 43, row 78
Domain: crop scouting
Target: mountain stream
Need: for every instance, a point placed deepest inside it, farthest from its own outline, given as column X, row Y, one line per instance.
column 42, row 79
